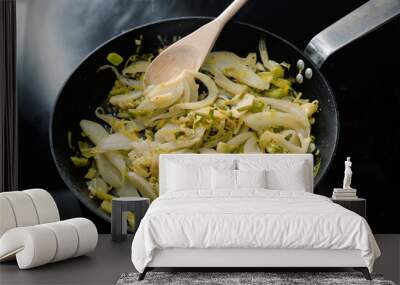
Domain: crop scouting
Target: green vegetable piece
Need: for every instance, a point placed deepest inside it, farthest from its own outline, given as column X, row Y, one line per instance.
column 85, row 149
column 131, row 220
column 114, row 58
column 278, row 71
column 104, row 196
column 274, row 148
column 285, row 65
column 80, row 161
column 136, row 112
column 258, row 106
column 91, row 174
column 225, row 148
column 245, row 103
column 106, row 206
column 69, row 135
column 276, row 93
column 148, row 134
column 317, row 166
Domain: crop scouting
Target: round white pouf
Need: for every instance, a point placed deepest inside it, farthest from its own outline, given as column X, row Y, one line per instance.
column 45, row 205
column 33, row 246
column 87, row 235
column 67, row 240
column 23, row 208
column 7, row 218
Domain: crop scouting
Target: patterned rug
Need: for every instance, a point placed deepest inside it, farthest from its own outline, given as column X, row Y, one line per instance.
column 244, row 278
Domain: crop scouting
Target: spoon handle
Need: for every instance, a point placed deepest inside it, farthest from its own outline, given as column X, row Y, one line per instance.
column 229, row 12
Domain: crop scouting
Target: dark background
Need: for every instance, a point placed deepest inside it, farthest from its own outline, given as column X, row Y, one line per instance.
column 53, row 36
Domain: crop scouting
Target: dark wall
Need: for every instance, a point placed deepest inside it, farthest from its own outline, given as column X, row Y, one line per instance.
column 53, row 36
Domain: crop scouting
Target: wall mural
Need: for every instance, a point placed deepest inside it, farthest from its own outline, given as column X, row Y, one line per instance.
column 108, row 127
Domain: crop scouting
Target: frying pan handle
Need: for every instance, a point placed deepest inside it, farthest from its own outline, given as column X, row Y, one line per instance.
column 361, row 21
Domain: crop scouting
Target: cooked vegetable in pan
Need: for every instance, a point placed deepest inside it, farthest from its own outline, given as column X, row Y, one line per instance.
column 233, row 105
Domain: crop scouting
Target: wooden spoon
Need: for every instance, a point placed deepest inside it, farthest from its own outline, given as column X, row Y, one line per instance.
column 189, row 52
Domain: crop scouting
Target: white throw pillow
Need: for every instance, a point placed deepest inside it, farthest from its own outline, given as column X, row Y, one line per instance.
column 291, row 175
column 223, row 179
column 186, row 177
column 294, row 179
column 226, row 179
column 251, row 178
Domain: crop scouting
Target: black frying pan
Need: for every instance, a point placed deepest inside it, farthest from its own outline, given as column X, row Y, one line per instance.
column 86, row 88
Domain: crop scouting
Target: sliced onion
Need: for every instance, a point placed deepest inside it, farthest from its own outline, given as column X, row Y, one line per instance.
column 115, row 142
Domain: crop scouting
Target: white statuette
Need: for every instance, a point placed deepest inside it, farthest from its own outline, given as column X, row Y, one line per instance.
column 308, row 73
column 299, row 78
column 300, row 64
column 347, row 174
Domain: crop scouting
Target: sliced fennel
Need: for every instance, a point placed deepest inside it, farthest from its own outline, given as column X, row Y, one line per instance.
column 233, row 105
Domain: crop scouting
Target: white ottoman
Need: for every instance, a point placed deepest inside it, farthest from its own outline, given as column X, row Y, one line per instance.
column 40, row 244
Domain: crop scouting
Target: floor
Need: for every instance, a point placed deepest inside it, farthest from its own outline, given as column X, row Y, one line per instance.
column 103, row 266
column 110, row 260
column 389, row 262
